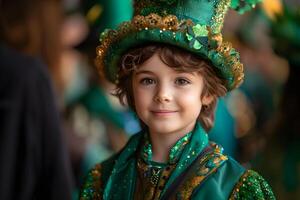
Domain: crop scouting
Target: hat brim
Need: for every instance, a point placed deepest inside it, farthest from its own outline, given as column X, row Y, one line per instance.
column 115, row 43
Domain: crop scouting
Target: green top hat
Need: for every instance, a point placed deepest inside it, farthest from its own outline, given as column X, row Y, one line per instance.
column 194, row 25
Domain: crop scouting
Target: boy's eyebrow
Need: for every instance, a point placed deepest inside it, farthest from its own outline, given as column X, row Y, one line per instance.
column 185, row 72
column 152, row 73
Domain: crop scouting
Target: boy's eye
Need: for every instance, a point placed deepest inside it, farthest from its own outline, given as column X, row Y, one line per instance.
column 181, row 81
column 147, row 81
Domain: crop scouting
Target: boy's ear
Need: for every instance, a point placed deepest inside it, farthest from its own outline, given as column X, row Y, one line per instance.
column 207, row 99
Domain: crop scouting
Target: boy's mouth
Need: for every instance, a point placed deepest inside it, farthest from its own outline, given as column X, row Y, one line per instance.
column 163, row 112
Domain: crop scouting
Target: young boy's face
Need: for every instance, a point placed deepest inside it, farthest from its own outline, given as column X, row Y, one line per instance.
column 167, row 101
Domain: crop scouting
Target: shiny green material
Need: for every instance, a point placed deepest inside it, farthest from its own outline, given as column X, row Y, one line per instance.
column 155, row 175
column 252, row 186
column 116, row 177
column 175, row 151
column 202, row 36
column 123, row 176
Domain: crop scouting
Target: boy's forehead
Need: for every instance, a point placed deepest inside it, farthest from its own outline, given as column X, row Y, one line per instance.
column 156, row 62
column 152, row 69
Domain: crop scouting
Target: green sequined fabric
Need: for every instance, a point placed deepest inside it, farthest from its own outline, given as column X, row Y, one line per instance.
column 252, row 186
column 153, row 175
column 92, row 188
column 175, row 151
column 128, row 176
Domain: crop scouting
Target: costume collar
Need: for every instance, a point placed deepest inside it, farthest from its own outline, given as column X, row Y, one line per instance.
column 126, row 163
column 174, row 154
column 197, row 143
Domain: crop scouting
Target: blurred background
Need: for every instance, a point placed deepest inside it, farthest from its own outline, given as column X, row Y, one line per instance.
column 257, row 124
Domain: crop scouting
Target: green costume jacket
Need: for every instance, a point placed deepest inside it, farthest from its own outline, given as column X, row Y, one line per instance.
column 196, row 169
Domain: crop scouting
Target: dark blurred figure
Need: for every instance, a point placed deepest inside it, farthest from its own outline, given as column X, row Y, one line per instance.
column 34, row 163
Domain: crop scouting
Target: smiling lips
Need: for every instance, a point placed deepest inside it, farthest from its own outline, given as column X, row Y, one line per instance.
column 163, row 112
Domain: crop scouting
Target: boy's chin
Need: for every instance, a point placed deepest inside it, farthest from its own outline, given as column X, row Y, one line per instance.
column 163, row 128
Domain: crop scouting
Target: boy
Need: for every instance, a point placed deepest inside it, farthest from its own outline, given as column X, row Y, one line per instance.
column 170, row 65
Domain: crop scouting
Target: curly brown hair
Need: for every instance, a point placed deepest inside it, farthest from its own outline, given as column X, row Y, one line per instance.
column 179, row 60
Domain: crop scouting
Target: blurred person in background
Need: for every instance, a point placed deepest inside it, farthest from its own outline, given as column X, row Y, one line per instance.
column 253, row 105
column 265, row 109
column 97, row 125
column 280, row 159
column 33, row 156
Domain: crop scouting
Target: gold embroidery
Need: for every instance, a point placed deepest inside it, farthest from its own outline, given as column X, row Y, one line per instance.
column 93, row 185
column 218, row 18
column 152, row 186
column 204, row 171
column 206, row 166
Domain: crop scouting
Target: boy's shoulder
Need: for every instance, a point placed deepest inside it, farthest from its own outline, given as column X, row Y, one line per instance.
column 98, row 176
column 251, row 185
column 212, row 173
column 222, row 176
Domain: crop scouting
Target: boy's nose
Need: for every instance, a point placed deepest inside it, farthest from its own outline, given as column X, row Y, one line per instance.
column 163, row 94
